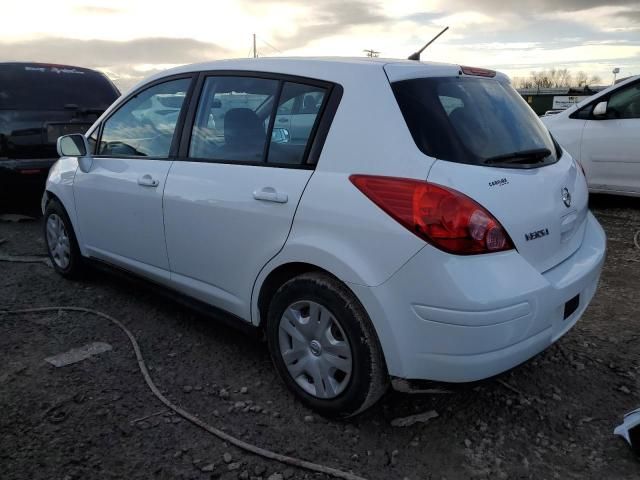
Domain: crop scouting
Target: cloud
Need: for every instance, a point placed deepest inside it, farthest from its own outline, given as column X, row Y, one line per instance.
column 125, row 62
column 632, row 16
column 326, row 18
column 531, row 7
column 94, row 10
column 89, row 53
column 423, row 17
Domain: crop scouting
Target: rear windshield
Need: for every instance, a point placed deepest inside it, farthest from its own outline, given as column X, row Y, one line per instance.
column 479, row 121
column 44, row 87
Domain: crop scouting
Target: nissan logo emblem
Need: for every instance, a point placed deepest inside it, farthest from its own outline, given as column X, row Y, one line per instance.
column 566, row 197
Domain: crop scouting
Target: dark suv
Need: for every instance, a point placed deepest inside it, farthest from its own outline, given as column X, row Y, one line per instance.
column 38, row 103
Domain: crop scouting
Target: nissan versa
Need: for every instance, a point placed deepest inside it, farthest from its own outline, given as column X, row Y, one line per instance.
column 382, row 221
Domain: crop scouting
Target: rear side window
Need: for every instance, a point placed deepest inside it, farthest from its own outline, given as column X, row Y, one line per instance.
column 234, row 121
column 40, row 87
column 233, row 118
column 293, row 126
column 471, row 120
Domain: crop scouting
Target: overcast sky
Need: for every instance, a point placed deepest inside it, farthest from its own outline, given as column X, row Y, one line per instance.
column 130, row 39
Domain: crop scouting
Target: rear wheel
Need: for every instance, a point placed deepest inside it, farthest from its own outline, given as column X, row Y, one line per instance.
column 62, row 246
column 324, row 346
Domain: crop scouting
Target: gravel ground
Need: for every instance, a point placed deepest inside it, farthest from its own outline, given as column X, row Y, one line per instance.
column 550, row 418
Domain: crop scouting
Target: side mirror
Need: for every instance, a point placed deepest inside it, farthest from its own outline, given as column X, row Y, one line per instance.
column 280, row 135
column 216, row 104
column 600, row 110
column 74, row 145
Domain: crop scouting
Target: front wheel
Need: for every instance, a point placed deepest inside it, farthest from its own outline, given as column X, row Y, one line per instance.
column 62, row 245
column 324, row 346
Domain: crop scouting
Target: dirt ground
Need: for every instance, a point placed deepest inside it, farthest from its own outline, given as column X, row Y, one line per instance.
column 97, row 418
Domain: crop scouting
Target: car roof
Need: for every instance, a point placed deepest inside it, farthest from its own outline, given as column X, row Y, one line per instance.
column 285, row 63
column 332, row 69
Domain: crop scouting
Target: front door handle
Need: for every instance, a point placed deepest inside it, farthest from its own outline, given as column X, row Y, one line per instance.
column 148, row 181
column 270, row 194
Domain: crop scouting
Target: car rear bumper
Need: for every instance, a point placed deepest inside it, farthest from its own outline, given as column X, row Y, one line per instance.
column 460, row 319
column 16, row 175
column 26, row 166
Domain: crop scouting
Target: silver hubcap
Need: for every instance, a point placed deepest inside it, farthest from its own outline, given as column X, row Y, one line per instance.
column 58, row 241
column 315, row 349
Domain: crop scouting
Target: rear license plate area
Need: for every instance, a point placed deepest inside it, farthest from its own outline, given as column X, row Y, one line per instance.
column 55, row 130
column 571, row 306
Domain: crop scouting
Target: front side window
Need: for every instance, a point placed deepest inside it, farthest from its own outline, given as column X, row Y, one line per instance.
column 625, row 103
column 232, row 119
column 144, row 126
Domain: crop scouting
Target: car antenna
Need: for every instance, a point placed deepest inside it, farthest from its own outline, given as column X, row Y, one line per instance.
column 416, row 56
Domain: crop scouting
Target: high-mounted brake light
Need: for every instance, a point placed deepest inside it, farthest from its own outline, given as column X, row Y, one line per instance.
column 478, row 72
column 446, row 218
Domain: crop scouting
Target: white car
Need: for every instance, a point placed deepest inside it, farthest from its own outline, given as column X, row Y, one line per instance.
column 427, row 228
column 602, row 133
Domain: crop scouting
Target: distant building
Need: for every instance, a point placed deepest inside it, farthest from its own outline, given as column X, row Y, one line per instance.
column 542, row 100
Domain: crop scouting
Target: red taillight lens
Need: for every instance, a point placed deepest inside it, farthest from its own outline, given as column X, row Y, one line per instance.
column 445, row 218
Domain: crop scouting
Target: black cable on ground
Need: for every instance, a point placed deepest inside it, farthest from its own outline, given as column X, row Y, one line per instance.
column 248, row 447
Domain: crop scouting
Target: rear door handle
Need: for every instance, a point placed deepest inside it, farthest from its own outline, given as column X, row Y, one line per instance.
column 270, row 194
column 148, row 181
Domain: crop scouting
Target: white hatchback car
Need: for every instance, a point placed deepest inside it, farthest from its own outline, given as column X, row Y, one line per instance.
column 602, row 133
column 426, row 228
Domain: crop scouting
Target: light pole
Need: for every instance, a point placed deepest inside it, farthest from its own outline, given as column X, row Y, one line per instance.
column 616, row 71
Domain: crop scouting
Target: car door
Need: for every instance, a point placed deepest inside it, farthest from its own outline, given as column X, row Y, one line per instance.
column 119, row 199
column 229, row 201
column 611, row 143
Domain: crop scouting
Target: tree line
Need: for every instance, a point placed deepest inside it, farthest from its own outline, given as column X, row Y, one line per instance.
column 557, row 78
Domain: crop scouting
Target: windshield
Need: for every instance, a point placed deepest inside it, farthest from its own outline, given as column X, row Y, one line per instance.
column 45, row 87
column 473, row 120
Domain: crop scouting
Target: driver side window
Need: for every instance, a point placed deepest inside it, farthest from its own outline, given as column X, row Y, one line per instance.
column 145, row 124
column 625, row 103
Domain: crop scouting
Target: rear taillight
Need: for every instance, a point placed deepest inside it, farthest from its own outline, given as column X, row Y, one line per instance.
column 445, row 218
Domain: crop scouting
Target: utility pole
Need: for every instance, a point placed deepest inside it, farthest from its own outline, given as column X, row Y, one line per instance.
column 372, row 53
column 255, row 52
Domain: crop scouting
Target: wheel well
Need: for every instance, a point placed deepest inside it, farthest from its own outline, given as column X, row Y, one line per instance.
column 51, row 196
column 279, row 277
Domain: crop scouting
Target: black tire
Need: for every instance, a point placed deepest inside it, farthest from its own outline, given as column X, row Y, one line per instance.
column 75, row 268
column 368, row 378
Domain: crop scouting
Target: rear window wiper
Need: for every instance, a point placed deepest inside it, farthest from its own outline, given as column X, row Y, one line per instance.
column 522, row 156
